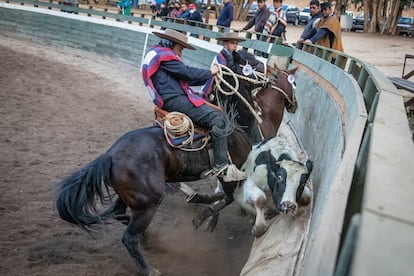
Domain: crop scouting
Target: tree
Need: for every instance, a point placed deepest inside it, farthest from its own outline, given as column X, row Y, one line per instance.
column 382, row 15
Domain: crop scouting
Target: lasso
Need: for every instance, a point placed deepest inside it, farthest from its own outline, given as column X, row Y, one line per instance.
column 219, row 78
column 178, row 125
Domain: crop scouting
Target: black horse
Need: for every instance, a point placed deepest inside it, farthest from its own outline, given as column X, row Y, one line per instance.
column 137, row 167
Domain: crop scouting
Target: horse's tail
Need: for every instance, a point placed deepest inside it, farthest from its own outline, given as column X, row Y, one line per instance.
column 77, row 194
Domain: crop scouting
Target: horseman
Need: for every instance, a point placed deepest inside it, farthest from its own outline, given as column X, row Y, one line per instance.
column 235, row 61
column 168, row 81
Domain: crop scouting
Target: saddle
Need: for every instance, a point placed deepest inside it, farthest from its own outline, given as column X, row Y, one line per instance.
column 180, row 131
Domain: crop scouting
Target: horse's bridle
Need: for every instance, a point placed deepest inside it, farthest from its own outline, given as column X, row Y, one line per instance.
column 262, row 82
column 289, row 102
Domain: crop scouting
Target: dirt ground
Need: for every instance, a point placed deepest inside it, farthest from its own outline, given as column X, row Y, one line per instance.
column 60, row 108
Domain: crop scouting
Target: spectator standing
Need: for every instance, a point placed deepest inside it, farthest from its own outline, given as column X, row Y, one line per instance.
column 185, row 12
column 177, row 10
column 310, row 28
column 259, row 19
column 163, row 10
column 158, row 4
column 194, row 15
column 124, row 6
column 276, row 23
column 171, row 7
column 226, row 16
column 328, row 32
column 153, row 6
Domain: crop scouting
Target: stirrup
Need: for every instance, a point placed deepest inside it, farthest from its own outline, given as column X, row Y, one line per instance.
column 233, row 174
column 217, row 171
column 229, row 172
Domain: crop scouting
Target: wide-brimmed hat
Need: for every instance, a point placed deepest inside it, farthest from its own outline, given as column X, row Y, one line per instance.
column 176, row 37
column 231, row 36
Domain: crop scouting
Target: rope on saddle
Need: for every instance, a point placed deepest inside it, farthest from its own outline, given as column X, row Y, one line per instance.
column 219, row 78
column 179, row 125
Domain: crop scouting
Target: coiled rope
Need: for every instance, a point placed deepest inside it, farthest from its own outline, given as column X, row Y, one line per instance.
column 179, row 125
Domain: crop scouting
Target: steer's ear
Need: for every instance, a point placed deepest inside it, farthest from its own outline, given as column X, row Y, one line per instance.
column 309, row 166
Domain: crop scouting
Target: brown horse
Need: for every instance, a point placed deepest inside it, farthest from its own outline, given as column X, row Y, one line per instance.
column 137, row 167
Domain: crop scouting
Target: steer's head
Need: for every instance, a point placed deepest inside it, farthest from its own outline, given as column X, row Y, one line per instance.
column 290, row 179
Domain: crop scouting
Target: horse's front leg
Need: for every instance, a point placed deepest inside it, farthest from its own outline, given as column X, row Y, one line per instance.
column 213, row 212
column 195, row 197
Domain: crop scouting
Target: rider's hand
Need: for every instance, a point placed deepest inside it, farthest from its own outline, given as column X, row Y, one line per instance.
column 214, row 69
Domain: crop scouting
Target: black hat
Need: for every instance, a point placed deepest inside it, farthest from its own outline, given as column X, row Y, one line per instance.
column 325, row 5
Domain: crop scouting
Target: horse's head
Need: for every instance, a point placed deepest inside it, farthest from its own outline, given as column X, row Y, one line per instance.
column 291, row 177
column 284, row 81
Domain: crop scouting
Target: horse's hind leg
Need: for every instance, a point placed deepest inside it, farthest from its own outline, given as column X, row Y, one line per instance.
column 117, row 211
column 132, row 237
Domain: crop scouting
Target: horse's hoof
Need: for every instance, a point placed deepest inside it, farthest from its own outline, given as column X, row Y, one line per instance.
column 198, row 221
column 212, row 224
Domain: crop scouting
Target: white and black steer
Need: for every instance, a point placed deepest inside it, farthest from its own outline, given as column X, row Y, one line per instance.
column 275, row 180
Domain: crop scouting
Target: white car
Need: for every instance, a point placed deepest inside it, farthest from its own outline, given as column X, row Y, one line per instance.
column 304, row 15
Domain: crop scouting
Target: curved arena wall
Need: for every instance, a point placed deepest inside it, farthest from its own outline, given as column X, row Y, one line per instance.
column 347, row 144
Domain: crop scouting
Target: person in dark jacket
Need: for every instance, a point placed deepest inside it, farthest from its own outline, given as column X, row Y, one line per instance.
column 185, row 11
column 163, row 10
column 328, row 30
column 259, row 19
column 226, row 15
column 194, row 15
column 310, row 28
column 168, row 81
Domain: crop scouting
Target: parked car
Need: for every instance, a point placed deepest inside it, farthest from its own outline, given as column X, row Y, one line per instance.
column 292, row 15
column 304, row 15
column 406, row 26
column 358, row 23
column 350, row 13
